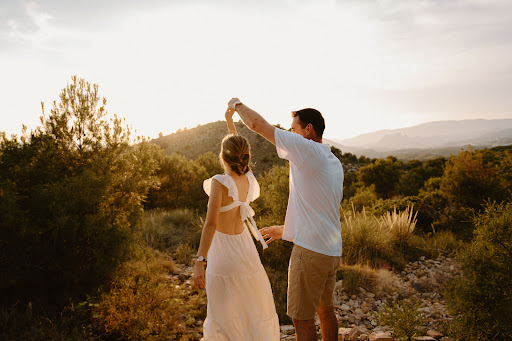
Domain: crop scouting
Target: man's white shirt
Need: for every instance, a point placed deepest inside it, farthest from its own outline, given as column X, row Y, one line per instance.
column 316, row 189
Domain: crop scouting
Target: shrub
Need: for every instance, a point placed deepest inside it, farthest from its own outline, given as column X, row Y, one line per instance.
column 355, row 277
column 438, row 243
column 184, row 254
column 146, row 303
column 166, row 230
column 482, row 296
column 403, row 316
column 367, row 240
column 401, row 224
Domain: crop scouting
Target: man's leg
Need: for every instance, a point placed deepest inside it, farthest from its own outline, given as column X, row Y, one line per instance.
column 328, row 323
column 305, row 330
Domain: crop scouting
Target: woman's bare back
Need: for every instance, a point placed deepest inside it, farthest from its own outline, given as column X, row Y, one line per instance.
column 230, row 222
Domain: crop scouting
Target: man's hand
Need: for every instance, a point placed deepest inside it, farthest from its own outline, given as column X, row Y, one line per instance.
column 231, row 103
column 199, row 280
column 272, row 232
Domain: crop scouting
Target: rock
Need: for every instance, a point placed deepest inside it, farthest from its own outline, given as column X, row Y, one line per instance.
column 381, row 337
column 434, row 333
column 353, row 335
column 345, row 307
column 423, row 338
column 359, row 311
column 344, row 331
column 287, row 329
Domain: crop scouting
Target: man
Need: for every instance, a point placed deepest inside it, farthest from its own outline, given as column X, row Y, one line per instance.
column 312, row 220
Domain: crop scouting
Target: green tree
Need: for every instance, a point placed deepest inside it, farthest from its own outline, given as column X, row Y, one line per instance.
column 482, row 296
column 71, row 194
column 384, row 174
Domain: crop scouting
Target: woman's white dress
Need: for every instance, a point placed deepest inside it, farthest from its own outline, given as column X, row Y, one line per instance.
column 240, row 302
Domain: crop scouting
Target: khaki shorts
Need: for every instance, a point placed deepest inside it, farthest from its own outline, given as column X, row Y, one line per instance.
column 311, row 279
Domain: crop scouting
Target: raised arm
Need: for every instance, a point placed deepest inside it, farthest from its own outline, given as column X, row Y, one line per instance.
column 229, row 120
column 253, row 120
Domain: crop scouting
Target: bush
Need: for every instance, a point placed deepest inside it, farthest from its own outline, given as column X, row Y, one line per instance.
column 482, row 296
column 355, row 277
column 403, row 316
column 32, row 322
column 166, row 230
column 438, row 243
column 367, row 240
column 146, row 303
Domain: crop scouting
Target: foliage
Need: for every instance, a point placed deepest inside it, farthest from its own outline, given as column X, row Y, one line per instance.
column 31, row 322
column 435, row 243
column 356, row 276
column 384, row 174
column 364, row 197
column 482, row 297
column 71, row 194
column 274, row 196
column 366, row 240
column 146, row 303
column 166, row 230
column 403, row 316
column 181, row 182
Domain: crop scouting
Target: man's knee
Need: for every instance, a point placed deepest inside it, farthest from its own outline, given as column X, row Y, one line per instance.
column 325, row 312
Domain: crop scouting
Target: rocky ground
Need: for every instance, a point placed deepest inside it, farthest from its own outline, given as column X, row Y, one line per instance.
column 358, row 313
column 421, row 280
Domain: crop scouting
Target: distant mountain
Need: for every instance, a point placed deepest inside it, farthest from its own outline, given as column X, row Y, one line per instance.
column 433, row 135
column 432, row 139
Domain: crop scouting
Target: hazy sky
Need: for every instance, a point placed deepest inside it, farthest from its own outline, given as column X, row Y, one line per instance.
column 163, row 65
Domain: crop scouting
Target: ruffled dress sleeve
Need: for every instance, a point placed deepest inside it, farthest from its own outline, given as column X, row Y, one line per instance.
column 255, row 186
column 226, row 181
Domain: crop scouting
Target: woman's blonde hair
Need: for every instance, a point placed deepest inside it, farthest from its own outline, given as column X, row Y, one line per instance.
column 236, row 152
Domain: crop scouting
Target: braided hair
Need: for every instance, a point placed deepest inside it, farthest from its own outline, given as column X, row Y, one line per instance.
column 236, row 152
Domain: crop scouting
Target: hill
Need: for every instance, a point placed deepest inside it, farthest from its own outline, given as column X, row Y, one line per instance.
column 207, row 138
column 429, row 140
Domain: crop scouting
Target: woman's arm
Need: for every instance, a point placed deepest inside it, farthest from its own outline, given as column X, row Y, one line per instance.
column 210, row 226
column 229, row 119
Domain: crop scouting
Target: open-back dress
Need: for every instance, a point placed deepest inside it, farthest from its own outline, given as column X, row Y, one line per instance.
column 240, row 302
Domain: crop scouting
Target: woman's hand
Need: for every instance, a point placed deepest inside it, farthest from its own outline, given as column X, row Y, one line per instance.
column 229, row 113
column 272, row 233
column 199, row 279
column 229, row 120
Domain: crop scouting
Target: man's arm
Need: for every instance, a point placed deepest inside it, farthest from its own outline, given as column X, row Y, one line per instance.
column 254, row 121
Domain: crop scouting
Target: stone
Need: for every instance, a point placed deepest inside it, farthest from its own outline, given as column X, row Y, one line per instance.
column 423, row 338
column 287, row 329
column 381, row 337
column 359, row 311
column 342, row 333
column 434, row 333
column 353, row 335
column 345, row 307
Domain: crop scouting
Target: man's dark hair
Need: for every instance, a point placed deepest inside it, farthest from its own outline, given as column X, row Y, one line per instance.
column 313, row 116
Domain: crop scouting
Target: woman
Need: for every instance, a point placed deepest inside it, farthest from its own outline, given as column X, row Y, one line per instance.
column 240, row 303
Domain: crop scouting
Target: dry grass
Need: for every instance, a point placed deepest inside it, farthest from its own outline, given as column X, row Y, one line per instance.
column 400, row 224
column 379, row 241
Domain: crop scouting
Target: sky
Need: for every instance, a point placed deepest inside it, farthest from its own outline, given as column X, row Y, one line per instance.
column 164, row 65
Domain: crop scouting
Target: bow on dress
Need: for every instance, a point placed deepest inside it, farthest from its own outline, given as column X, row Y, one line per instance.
column 247, row 213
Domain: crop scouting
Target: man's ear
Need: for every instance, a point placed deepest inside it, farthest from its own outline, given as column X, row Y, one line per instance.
column 309, row 129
